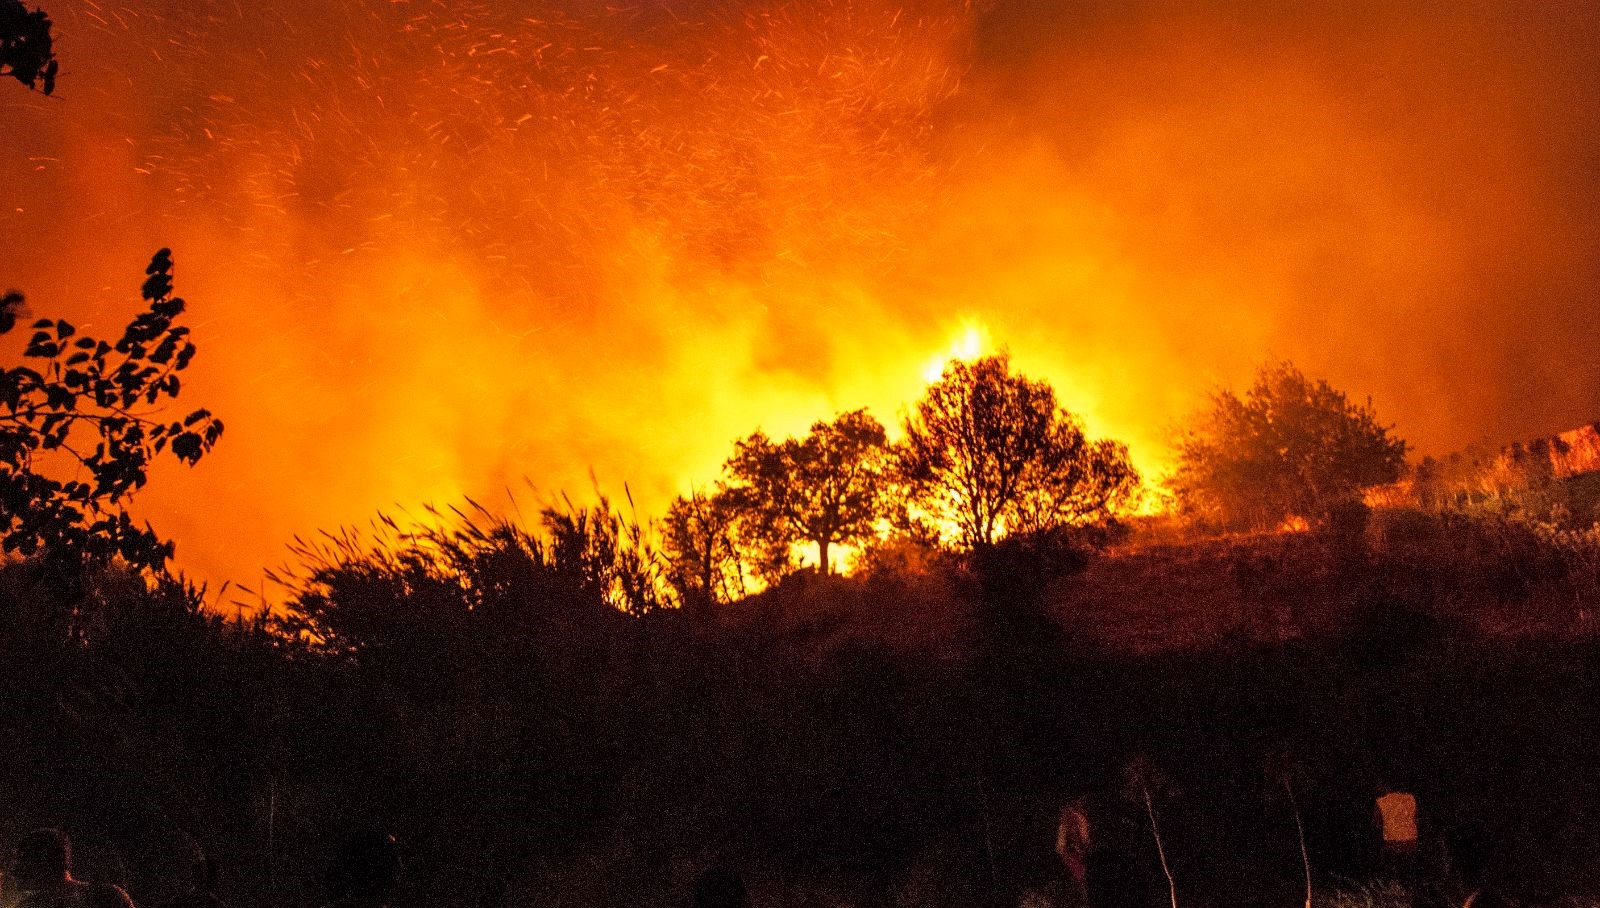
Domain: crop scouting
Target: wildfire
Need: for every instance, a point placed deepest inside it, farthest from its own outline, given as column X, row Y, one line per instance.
column 971, row 342
column 434, row 247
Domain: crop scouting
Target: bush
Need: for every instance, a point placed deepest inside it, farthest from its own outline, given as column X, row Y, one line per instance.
column 1290, row 447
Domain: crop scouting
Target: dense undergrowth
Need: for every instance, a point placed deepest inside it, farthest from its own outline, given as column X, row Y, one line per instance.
column 900, row 737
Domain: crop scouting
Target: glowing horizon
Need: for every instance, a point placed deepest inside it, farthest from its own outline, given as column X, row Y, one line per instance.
column 432, row 248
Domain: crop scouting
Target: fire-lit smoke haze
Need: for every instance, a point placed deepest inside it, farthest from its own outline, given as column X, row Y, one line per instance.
column 434, row 248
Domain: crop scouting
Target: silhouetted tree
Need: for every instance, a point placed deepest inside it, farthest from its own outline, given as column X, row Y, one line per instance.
column 824, row 489
column 1290, row 447
column 991, row 453
column 88, row 414
column 25, row 46
column 701, row 548
column 1088, row 483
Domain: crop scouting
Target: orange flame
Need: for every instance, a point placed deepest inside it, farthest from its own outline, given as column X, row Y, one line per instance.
column 433, row 248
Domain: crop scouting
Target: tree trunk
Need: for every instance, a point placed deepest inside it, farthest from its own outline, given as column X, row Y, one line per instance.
column 823, row 567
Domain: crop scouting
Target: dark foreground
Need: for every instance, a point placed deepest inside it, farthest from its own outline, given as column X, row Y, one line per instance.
column 904, row 737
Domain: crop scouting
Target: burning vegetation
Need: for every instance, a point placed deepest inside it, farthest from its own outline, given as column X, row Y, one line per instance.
column 448, row 245
column 1028, row 623
column 593, row 689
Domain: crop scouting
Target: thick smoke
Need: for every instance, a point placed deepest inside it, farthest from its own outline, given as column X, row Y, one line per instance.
column 436, row 247
column 1400, row 196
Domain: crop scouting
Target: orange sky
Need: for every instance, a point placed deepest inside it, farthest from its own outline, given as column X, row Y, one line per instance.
column 435, row 248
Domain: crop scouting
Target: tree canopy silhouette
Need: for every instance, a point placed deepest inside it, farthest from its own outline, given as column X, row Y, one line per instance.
column 990, row 452
column 26, row 52
column 1289, row 447
column 700, row 542
column 89, row 411
column 825, row 488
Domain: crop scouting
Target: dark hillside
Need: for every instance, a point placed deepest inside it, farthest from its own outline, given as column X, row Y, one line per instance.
column 901, row 737
column 1493, row 577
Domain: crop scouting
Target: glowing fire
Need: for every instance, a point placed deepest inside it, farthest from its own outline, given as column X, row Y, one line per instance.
column 970, row 343
column 434, row 247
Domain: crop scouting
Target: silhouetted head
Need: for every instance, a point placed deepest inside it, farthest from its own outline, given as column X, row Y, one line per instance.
column 44, row 857
column 719, row 887
column 367, row 866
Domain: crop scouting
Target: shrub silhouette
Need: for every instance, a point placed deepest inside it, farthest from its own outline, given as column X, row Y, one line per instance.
column 26, row 52
column 1289, row 447
column 89, row 407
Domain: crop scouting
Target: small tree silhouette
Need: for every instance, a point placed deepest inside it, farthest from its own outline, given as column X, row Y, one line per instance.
column 700, row 545
column 91, row 408
column 26, row 53
column 825, row 488
column 990, row 452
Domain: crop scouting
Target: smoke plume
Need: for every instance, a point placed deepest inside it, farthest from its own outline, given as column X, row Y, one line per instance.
column 434, row 247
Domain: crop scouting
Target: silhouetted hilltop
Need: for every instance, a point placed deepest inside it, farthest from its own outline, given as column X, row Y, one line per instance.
column 1557, row 473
